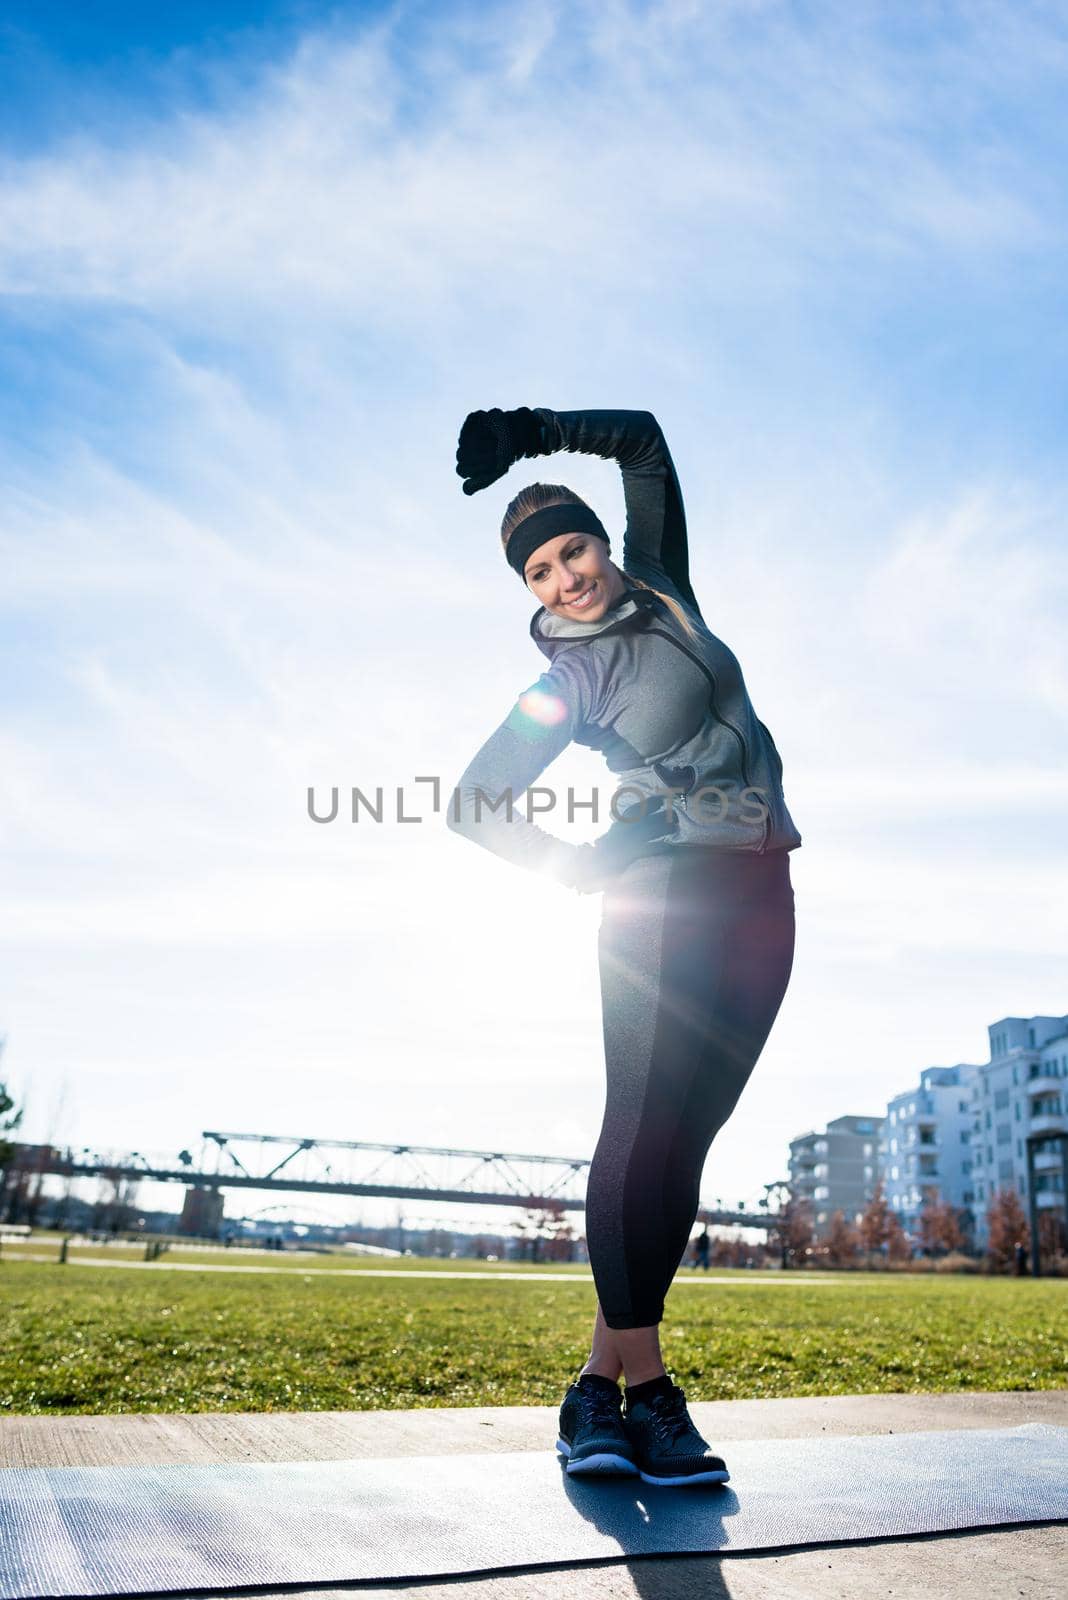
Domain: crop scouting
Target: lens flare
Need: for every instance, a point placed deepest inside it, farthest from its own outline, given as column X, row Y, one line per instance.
column 544, row 709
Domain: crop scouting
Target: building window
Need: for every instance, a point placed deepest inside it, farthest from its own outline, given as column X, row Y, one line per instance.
column 1001, row 1099
column 867, row 1150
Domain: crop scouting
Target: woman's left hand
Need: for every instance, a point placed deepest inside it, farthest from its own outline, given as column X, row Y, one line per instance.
column 490, row 441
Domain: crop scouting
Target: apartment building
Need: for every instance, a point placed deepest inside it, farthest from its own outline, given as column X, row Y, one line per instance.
column 925, row 1148
column 836, row 1169
column 1021, row 1093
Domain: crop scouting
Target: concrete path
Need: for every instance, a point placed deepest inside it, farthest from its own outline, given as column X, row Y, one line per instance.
column 1026, row 1562
column 754, row 1280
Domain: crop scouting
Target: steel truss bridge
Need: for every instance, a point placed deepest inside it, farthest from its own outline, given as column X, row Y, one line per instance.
column 279, row 1163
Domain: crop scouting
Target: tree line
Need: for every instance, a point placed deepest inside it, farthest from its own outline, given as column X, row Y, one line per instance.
column 943, row 1230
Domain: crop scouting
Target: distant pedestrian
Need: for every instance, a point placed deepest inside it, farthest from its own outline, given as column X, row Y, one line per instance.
column 701, row 1248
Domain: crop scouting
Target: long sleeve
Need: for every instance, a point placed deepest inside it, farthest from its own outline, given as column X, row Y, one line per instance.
column 654, row 545
column 485, row 805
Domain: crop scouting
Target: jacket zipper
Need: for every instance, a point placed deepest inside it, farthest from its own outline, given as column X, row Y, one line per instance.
column 714, row 685
column 645, row 601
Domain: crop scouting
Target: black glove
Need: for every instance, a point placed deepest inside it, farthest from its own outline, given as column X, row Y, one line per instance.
column 624, row 842
column 490, row 441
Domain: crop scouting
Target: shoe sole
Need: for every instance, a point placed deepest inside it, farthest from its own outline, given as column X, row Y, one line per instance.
column 604, row 1462
column 684, row 1478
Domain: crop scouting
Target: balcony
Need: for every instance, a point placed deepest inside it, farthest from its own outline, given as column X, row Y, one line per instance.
column 1049, row 1122
column 1049, row 1198
column 1048, row 1161
column 1045, row 1084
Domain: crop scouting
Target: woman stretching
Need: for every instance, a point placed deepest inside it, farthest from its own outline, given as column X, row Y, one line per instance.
column 696, row 937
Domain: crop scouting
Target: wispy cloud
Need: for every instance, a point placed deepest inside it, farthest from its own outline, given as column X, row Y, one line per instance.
column 384, row 171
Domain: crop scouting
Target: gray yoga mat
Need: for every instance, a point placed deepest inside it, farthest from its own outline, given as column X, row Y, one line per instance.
column 135, row 1530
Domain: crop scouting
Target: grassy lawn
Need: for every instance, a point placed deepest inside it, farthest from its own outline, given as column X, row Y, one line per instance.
column 110, row 1339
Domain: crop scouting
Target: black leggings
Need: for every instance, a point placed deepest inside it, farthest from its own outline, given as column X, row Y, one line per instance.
column 695, row 951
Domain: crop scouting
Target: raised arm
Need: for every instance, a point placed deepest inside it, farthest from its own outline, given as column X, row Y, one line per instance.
column 654, row 544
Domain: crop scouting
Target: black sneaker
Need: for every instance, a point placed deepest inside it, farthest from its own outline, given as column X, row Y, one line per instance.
column 592, row 1436
column 667, row 1446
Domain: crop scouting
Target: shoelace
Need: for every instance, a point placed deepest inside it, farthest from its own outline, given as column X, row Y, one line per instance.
column 671, row 1420
column 598, row 1405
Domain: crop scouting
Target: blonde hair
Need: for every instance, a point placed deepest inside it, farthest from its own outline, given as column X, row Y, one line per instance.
column 536, row 496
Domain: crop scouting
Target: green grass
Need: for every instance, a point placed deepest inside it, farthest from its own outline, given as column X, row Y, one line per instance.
column 114, row 1340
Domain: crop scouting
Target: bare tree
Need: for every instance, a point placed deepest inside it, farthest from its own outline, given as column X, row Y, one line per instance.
column 545, row 1233
column 842, row 1242
column 1007, row 1229
column 939, row 1228
column 10, row 1119
column 875, row 1225
column 795, row 1231
column 898, row 1248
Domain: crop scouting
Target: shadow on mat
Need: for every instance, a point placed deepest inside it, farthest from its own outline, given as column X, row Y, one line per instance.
column 645, row 1521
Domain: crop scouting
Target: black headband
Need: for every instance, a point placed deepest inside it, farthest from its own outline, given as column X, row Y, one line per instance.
column 546, row 524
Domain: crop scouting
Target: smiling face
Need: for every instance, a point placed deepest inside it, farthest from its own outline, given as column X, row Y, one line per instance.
column 572, row 576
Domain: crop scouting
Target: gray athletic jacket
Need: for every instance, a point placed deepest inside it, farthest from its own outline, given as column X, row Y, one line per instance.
column 670, row 712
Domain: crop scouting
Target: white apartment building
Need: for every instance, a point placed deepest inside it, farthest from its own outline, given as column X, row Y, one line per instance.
column 1022, row 1090
column 925, row 1147
column 836, row 1169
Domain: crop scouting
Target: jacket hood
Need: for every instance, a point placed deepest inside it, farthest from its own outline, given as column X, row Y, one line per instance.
column 552, row 633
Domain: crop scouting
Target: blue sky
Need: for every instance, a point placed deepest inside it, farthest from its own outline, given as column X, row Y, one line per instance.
column 256, row 265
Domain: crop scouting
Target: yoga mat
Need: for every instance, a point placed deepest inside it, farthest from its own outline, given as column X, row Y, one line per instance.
column 72, row 1531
